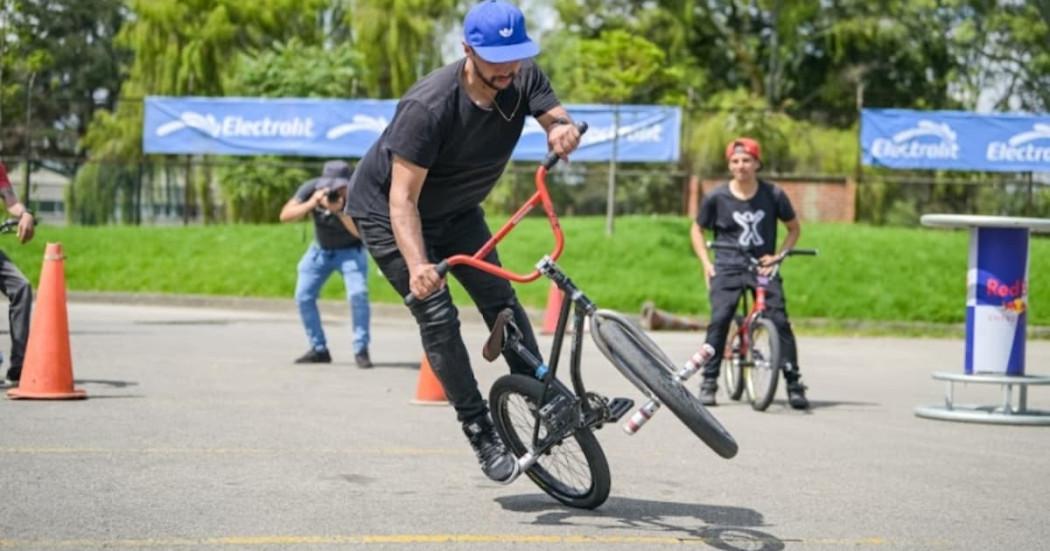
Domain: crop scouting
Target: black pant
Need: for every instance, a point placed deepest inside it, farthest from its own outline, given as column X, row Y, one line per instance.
column 726, row 288
column 437, row 317
column 17, row 289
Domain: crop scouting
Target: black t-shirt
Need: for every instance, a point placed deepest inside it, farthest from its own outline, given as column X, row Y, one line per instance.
column 464, row 148
column 750, row 223
column 328, row 228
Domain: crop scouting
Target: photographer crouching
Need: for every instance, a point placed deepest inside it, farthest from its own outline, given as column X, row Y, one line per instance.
column 336, row 246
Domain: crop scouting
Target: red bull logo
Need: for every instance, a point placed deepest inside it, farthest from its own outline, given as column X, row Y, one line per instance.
column 1013, row 295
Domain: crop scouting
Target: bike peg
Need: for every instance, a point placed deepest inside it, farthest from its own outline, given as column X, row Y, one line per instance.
column 442, row 270
column 552, row 157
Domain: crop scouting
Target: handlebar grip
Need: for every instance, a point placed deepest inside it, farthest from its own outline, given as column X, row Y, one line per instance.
column 442, row 270
column 552, row 157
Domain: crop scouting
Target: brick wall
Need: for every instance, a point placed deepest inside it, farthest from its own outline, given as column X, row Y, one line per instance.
column 830, row 200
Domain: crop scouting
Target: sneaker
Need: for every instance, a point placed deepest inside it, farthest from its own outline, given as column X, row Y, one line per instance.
column 496, row 462
column 14, row 374
column 362, row 360
column 797, row 395
column 708, row 388
column 315, row 357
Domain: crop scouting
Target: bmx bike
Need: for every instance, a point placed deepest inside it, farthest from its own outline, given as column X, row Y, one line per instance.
column 751, row 361
column 547, row 425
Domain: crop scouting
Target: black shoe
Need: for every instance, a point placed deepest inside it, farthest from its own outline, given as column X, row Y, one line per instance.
column 496, row 462
column 708, row 388
column 362, row 360
column 14, row 374
column 797, row 395
column 315, row 357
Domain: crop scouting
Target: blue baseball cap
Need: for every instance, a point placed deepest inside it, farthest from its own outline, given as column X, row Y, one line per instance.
column 496, row 31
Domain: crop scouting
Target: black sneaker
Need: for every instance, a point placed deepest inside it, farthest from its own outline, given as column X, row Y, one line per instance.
column 496, row 462
column 362, row 360
column 315, row 357
column 797, row 395
column 14, row 374
column 708, row 388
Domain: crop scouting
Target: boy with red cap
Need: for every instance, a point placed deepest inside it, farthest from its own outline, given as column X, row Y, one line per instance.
column 13, row 283
column 743, row 213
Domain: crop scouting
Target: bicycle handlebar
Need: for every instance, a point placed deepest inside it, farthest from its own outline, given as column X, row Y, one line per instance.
column 11, row 224
column 747, row 251
column 541, row 197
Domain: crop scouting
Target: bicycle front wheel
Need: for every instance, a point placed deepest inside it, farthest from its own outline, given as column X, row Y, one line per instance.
column 573, row 471
column 733, row 360
column 643, row 363
column 764, row 371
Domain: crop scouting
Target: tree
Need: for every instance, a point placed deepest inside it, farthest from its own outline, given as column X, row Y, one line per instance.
column 399, row 40
column 58, row 57
column 254, row 191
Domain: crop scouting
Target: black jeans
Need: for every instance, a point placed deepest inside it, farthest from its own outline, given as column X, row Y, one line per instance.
column 726, row 288
column 17, row 289
column 437, row 317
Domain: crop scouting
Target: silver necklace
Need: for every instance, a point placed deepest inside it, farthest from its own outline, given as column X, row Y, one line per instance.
column 517, row 104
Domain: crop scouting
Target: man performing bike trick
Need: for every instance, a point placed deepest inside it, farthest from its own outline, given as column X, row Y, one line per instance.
column 416, row 198
column 743, row 214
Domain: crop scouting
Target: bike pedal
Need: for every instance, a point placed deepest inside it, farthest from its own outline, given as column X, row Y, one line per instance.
column 618, row 407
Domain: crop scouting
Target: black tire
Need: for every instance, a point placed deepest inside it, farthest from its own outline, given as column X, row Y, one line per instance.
column 574, row 471
column 764, row 368
column 733, row 359
column 642, row 362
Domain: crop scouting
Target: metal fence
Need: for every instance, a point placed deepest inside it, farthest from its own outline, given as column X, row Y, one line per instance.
column 198, row 190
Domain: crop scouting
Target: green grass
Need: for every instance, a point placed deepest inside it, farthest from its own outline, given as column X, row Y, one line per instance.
column 862, row 273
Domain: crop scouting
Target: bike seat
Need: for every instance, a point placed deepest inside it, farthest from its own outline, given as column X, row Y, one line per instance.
column 494, row 345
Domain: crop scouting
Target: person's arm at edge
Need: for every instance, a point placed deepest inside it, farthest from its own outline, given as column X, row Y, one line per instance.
column 406, row 183
column 18, row 210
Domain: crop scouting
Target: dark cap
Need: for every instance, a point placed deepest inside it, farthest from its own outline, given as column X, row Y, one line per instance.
column 335, row 174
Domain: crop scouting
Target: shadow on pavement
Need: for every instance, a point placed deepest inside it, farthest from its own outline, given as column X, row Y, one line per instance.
column 727, row 528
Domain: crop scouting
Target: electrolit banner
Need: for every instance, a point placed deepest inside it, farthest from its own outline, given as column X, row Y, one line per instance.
column 347, row 128
column 997, row 298
column 955, row 140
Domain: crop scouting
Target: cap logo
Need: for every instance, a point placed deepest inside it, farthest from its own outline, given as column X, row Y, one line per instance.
column 505, row 32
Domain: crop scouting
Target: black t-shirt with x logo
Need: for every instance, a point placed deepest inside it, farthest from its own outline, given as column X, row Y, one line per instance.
column 750, row 223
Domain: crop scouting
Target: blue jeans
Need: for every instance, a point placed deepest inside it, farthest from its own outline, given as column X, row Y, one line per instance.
column 314, row 268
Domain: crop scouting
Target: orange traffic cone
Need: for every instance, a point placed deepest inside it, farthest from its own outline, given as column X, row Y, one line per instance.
column 47, row 373
column 429, row 391
column 550, row 317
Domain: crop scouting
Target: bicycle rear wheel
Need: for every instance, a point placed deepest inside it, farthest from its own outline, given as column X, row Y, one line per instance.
column 644, row 364
column 733, row 360
column 573, row 471
column 764, row 371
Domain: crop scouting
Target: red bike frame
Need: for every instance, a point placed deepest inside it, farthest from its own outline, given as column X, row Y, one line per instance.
column 541, row 197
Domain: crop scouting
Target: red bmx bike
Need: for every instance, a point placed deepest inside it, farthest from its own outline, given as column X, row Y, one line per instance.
column 751, row 361
column 550, row 426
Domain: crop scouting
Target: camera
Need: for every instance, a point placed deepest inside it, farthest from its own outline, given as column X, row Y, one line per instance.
column 332, row 195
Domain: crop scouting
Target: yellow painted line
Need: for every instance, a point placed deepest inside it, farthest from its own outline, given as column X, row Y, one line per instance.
column 410, row 539
column 230, row 451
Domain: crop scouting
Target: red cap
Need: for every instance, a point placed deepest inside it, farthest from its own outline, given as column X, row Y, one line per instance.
column 744, row 145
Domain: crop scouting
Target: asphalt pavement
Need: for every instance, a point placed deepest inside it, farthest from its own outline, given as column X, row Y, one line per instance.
column 200, row 433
